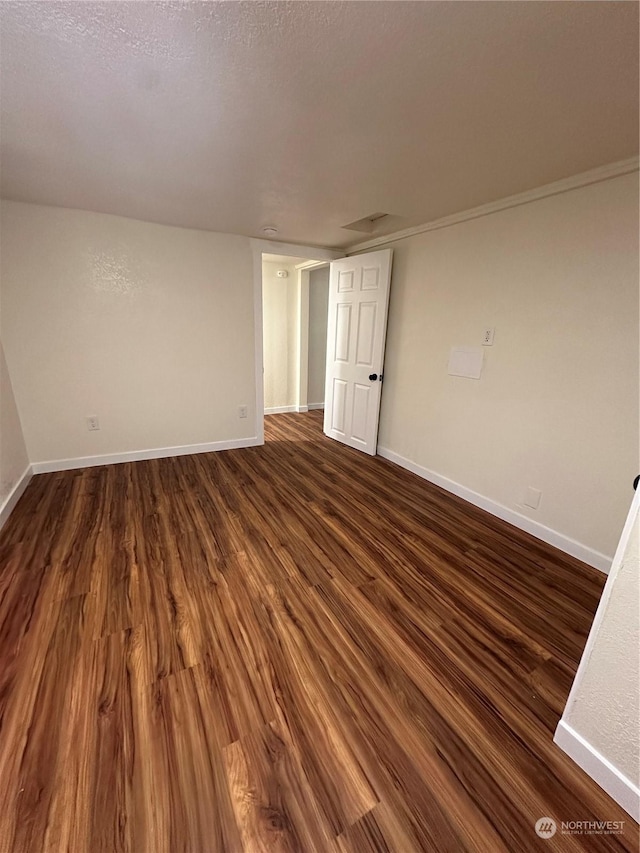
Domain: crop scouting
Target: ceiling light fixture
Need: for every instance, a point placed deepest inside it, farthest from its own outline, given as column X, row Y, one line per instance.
column 270, row 231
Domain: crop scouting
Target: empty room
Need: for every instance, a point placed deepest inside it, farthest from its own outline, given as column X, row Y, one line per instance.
column 319, row 427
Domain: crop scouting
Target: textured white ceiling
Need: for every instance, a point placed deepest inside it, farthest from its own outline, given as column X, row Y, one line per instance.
column 235, row 115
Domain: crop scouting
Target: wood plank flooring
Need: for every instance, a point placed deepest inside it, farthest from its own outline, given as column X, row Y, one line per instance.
column 293, row 647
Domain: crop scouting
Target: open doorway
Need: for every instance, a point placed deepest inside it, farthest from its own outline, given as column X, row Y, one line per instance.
column 318, row 315
column 307, row 258
column 295, row 294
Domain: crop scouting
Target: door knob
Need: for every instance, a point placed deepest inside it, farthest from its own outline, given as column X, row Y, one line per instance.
column 373, row 376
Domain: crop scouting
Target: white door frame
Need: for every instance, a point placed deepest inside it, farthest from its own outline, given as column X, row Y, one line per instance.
column 270, row 247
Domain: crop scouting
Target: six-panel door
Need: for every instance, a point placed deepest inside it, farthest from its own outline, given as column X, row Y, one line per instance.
column 357, row 324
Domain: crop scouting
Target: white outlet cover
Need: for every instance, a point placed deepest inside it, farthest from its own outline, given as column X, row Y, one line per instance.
column 487, row 337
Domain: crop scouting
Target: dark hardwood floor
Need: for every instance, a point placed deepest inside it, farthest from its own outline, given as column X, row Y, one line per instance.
column 293, row 647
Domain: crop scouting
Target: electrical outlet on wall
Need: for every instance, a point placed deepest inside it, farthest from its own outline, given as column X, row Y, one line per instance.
column 487, row 337
column 93, row 423
column 242, row 411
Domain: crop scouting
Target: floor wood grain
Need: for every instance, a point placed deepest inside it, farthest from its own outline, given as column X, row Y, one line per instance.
column 293, row 647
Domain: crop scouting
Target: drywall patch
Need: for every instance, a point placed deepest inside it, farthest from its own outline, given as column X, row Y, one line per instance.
column 113, row 271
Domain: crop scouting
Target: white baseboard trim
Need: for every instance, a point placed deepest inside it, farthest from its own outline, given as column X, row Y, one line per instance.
column 279, row 410
column 14, row 495
column 540, row 531
column 139, row 455
column 600, row 769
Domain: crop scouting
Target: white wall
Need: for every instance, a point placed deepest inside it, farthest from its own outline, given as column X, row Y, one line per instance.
column 280, row 335
column 609, row 688
column 148, row 327
column 13, row 452
column 318, row 309
column 294, row 343
column 557, row 405
column 602, row 717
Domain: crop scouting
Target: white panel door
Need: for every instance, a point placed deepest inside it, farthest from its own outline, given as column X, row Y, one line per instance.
column 357, row 327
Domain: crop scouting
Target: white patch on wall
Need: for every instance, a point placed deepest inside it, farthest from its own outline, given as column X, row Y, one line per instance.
column 113, row 272
column 466, row 362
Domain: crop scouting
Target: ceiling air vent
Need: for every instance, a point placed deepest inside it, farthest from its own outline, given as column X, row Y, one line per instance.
column 369, row 224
